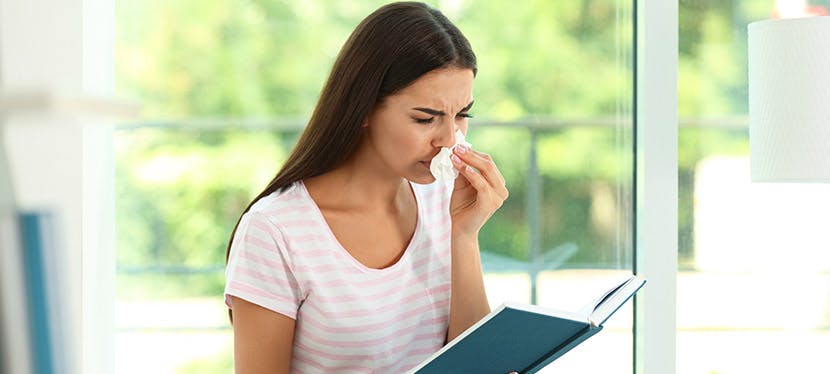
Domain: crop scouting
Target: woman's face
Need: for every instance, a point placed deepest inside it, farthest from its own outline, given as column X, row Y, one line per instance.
column 409, row 128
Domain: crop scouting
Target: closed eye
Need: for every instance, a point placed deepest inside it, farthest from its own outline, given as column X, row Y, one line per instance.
column 464, row 115
column 424, row 121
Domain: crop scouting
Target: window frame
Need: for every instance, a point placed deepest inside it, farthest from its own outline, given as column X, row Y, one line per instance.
column 655, row 189
column 655, row 173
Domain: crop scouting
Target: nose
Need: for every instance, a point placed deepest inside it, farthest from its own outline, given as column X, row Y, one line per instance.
column 445, row 133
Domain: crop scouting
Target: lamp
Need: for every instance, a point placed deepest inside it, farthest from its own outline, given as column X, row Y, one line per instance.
column 789, row 100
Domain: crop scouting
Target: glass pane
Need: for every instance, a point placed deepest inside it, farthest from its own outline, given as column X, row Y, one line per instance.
column 232, row 82
column 753, row 261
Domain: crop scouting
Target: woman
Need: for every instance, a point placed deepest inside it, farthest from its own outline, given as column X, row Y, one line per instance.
column 354, row 258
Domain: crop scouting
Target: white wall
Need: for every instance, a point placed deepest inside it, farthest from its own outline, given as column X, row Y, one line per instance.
column 54, row 56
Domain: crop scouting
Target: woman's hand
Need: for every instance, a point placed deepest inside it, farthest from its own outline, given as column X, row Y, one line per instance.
column 479, row 190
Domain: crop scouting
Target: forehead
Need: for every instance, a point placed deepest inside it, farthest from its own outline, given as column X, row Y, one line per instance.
column 442, row 88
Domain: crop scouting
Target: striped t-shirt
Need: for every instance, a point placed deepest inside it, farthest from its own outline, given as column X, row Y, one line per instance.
column 349, row 318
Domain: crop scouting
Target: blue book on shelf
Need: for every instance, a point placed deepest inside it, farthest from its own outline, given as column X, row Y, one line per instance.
column 526, row 338
column 38, row 244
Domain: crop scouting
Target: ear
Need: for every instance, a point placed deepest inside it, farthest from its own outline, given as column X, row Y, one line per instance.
column 368, row 119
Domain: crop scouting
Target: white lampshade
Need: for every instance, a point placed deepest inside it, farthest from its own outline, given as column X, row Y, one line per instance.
column 789, row 100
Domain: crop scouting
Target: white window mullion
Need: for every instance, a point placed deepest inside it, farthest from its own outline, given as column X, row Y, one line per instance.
column 656, row 217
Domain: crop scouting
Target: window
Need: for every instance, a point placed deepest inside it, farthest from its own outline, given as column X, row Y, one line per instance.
column 753, row 259
column 226, row 87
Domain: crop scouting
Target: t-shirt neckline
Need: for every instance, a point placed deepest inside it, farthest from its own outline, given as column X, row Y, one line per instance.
column 361, row 266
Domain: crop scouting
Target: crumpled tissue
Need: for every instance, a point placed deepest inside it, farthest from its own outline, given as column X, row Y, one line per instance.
column 441, row 164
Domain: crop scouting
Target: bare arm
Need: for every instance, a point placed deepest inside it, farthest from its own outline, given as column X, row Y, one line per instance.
column 468, row 301
column 476, row 196
column 262, row 339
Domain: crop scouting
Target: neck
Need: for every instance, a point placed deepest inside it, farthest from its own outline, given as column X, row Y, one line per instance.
column 358, row 185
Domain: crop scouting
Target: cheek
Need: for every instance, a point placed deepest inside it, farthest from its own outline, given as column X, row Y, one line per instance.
column 397, row 138
column 405, row 140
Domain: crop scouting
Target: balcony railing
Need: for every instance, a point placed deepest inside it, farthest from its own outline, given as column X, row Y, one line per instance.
column 492, row 263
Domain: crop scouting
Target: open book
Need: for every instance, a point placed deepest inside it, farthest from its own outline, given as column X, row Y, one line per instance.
column 526, row 338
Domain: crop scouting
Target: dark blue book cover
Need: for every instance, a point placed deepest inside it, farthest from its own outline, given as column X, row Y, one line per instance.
column 525, row 338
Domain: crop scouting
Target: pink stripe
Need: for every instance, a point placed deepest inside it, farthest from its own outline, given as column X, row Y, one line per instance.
column 446, row 220
column 317, row 269
column 436, row 215
column 287, row 196
column 259, row 260
column 440, row 288
column 313, row 253
column 383, row 294
column 264, row 226
column 446, row 196
column 426, row 247
column 446, row 236
column 421, row 262
column 383, row 340
column 259, row 243
column 346, row 357
column 419, row 354
column 332, row 356
column 280, row 282
column 430, row 194
column 429, row 335
column 422, row 352
column 246, row 289
column 383, row 309
column 432, row 241
column 291, row 209
column 362, row 283
column 304, row 239
column 342, row 298
column 354, row 329
column 302, row 223
column 386, row 278
column 326, row 368
column 438, row 305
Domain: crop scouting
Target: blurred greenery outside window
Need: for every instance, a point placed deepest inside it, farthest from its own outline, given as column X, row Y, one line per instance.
column 226, row 86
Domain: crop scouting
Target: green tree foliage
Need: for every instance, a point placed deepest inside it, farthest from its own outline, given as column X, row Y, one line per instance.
column 180, row 189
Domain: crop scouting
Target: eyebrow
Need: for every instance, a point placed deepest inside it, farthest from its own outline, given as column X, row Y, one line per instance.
column 435, row 112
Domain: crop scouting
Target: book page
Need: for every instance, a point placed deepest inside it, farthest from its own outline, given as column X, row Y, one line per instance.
column 574, row 289
column 615, row 299
column 612, row 286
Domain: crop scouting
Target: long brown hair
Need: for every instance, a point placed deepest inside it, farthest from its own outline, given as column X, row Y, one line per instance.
column 388, row 50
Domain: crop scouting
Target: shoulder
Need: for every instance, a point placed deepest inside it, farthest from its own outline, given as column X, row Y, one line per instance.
column 273, row 221
column 281, row 205
column 277, row 211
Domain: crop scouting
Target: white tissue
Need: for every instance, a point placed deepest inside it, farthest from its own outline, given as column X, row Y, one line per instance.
column 441, row 164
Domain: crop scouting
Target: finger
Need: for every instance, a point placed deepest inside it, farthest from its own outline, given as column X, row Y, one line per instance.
column 494, row 175
column 473, row 177
column 494, row 168
column 484, row 163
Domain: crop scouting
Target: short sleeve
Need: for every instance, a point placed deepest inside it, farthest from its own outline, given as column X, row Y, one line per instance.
column 259, row 267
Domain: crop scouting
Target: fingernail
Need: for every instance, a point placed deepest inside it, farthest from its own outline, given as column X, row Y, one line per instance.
column 470, row 169
column 462, row 148
column 455, row 159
